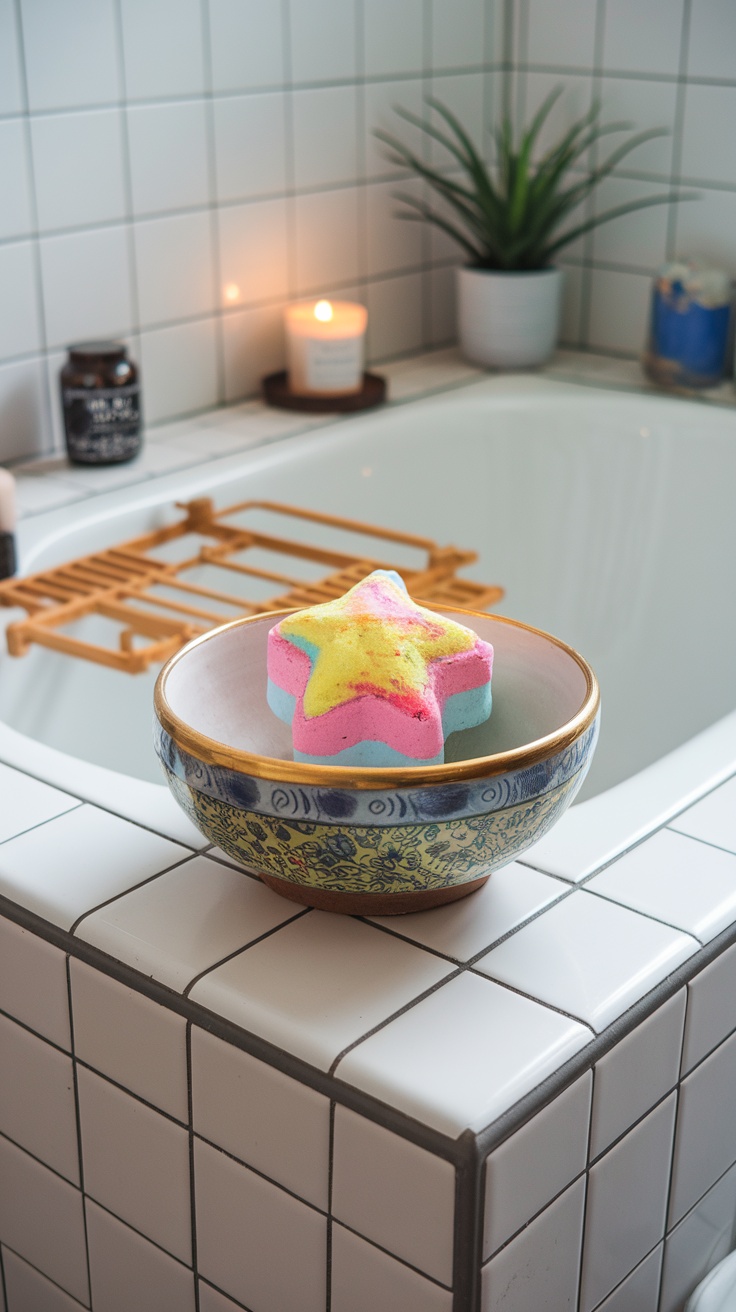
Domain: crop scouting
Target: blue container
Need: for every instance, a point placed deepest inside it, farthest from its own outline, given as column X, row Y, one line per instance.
column 689, row 326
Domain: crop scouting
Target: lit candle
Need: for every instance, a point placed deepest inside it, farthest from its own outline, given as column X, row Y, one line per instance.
column 324, row 347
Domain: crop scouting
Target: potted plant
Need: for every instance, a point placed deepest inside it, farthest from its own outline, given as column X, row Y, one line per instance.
column 510, row 222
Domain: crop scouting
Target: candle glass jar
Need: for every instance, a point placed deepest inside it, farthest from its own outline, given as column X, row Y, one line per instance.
column 100, row 397
column 325, row 347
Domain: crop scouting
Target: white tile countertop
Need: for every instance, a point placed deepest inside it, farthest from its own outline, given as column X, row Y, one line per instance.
column 539, row 964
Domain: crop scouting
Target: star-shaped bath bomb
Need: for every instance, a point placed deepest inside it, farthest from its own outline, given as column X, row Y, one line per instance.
column 373, row 679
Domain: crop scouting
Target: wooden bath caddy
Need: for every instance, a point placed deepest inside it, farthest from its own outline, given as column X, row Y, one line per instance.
column 155, row 610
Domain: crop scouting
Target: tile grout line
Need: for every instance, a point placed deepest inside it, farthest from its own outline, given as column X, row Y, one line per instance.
column 116, row 897
column 84, row 1307
column 238, row 952
column 192, row 1172
column 586, row 1200
column 78, row 1119
column 127, row 173
column 213, row 208
column 678, row 129
column 48, row 442
column 292, row 253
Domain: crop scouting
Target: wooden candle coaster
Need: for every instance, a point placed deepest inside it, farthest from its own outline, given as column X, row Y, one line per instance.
column 276, row 392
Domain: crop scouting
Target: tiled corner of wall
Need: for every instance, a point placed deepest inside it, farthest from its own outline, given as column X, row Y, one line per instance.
column 665, row 65
column 162, row 189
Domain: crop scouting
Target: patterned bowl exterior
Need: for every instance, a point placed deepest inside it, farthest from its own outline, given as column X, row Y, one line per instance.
column 401, row 840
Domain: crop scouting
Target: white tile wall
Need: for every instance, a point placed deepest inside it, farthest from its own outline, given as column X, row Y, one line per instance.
column 378, row 1179
column 33, row 985
column 627, row 1203
column 706, row 1130
column 255, row 1112
column 29, row 1291
column 699, row 1242
column 275, row 1262
column 536, row 1163
column 117, row 110
column 540, row 1268
column 41, row 1219
column 125, row 1035
column 639, row 1292
column 136, row 1163
column 710, row 1016
column 126, row 1271
column 37, row 1107
column 364, row 1278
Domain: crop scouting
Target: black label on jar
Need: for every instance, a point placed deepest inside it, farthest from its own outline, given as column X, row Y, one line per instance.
column 102, row 424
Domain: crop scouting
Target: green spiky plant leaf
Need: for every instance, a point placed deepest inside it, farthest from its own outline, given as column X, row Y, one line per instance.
column 513, row 218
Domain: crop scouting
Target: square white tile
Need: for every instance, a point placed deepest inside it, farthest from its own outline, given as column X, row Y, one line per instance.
column 78, row 168
column 73, row 268
column 41, row 1220
column 246, row 43
column 644, row 104
column 364, row 1279
column 126, row 1271
column 712, row 39
column 253, row 346
column 29, row 1291
column 174, row 267
column 27, row 428
column 260, row 1115
column 275, row 1262
column 462, row 929
column 627, row 1203
column 674, row 878
column 186, row 921
column 429, row 1063
column 393, row 36
column 395, row 315
column 536, row 1163
column 27, row 802
column 703, row 225
column 319, row 984
column 590, row 958
column 63, row 869
column 698, row 1243
column 33, row 985
column 323, row 42
column 710, row 1017
column 636, row 1073
column 326, row 239
column 37, row 1108
column 20, row 330
column 179, row 365
column 706, row 1132
column 168, row 156
column 619, row 310
column 15, row 201
column 639, row 1292
column 713, row 819
column 250, row 150
column 378, row 1179
column 638, row 239
column 563, row 34
column 163, row 48
column 325, row 136
column 136, row 1163
column 458, row 33
column 643, row 38
column 11, row 98
column 541, row 1266
column 253, row 252
column 392, row 243
column 704, row 155
column 379, row 108
column 125, row 1035
column 70, row 63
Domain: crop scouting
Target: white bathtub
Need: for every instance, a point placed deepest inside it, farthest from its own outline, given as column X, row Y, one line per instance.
column 607, row 516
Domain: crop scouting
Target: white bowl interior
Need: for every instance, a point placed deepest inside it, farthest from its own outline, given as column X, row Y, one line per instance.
column 218, row 688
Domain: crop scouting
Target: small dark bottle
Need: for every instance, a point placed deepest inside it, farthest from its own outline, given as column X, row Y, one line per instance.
column 100, row 397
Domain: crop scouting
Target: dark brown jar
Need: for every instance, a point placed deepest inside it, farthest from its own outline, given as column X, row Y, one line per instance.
column 100, row 398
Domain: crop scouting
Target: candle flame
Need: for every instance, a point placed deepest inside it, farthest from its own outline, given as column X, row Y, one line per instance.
column 323, row 311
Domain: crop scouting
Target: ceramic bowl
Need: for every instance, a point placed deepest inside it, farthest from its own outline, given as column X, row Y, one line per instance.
column 375, row 841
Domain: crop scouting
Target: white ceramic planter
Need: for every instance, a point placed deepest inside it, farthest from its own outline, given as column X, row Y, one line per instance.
column 508, row 320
